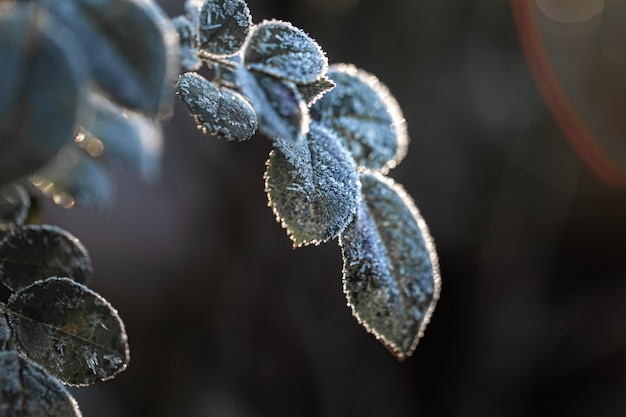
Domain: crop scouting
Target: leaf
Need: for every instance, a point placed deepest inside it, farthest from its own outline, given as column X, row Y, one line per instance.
column 391, row 272
column 280, row 108
column 26, row 390
column 41, row 79
column 367, row 118
column 71, row 331
column 14, row 206
column 188, row 43
column 223, row 26
column 73, row 177
column 217, row 110
column 31, row 253
column 315, row 90
column 281, row 50
column 123, row 135
column 132, row 48
column 5, row 336
column 312, row 187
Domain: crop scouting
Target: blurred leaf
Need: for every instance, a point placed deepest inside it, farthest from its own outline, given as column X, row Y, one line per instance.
column 132, row 48
column 223, row 26
column 217, row 110
column 5, row 336
column 281, row 50
column 367, row 118
column 31, row 253
column 192, row 8
column 26, row 390
column 188, row 43
column 281, row 110
column 14, row 205
column 391, row 271
column 71, row 331
column 312, row 187
column 73, row 177
column 41, row 78
column 314, row 91
column 122, row 135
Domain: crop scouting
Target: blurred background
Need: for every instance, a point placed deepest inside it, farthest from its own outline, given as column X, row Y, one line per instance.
column 521, row 194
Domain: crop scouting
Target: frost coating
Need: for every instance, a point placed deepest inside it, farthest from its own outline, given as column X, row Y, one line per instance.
column 188, row 36
column 312, row 187
column 281, row 50
column 30, row 253
column 27, row 390
column 70, row 330
column 14, row 205
column 391, row 271
column 281, row 110
column 217, row 110
column 367, row 118
column 315, row 90
column 223, row 26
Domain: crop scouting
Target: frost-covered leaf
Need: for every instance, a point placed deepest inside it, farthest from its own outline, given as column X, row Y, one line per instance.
column 364, row 114
column 192, row 9
column 188, row 38
column 30, row 253
column 26, row 390
column 281, row 110
column 391, row 271
column 73, row 177
column 122, row 135
column 312, row 187
column 41, row 79
column 14, row 205
column 217, row 110
column 280, row 49
column 314, row 91
column 5, row 336
column 131, row 45
column 71, row 331
column 223, row 26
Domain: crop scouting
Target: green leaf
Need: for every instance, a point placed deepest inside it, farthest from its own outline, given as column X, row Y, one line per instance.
column 132, row 48
column 73, row 177
column 367, row 118
column 41, row 79
column 14, row 206
column 26, row 390
column 125, row 136
column 223, row 26
column 312, row 187
column 315, row 90
column 217, row 110
column 391, row 271
column 71, row 331
column 282, row 50
column 188, row 37
column 281, row 110
column 31, row 253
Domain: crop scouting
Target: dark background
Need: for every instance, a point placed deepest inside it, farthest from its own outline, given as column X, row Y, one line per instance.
column 225, row 319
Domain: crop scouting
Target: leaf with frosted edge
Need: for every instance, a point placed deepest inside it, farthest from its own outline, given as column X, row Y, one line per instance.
column 27, row 390
column 391, row 272
column 74, row 177
column 30, row 253
column 314, row 91
column 282, row 50
column 223, row 26
column 68, row 329
column 367, row 118
column 37, row 111
column 125, row 136
column 14, row 205
column 312, row 187
column 131, row 45
column 281, row 110
column 188, row 43
column 217, row 110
